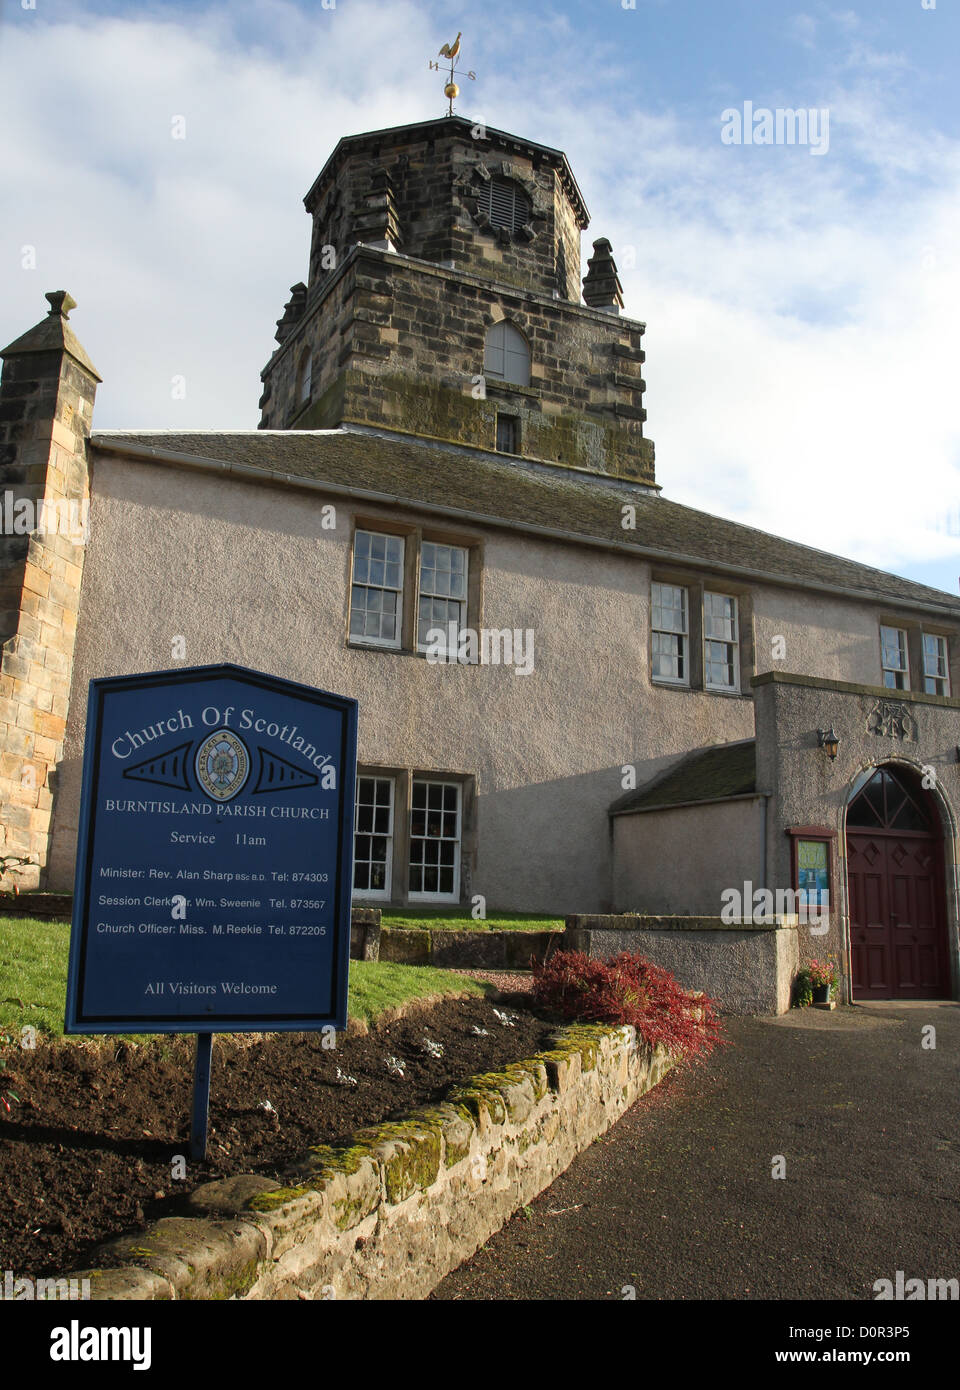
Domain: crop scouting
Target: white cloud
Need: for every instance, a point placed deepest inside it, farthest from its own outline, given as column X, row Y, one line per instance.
column 800, row 315
column 180, row 252
column 800, row 342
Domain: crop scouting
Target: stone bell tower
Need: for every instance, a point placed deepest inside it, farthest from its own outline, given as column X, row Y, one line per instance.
column 47, row 392
column 443, row 302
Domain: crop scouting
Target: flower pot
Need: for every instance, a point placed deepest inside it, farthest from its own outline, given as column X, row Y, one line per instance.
column 821, row 994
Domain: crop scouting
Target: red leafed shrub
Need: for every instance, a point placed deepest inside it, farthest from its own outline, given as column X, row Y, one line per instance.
column 628, row 989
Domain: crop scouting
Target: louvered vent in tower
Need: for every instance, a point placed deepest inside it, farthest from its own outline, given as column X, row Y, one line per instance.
column 507, row 205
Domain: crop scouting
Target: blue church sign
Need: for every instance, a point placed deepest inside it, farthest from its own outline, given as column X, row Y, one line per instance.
column 214, row 865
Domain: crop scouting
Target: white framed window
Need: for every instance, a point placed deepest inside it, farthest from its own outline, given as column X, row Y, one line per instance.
column 721, row 642
column 670, row 633
column 443, row 589
column 434, row 841
column 376, row 593
column 373, row 837
column 506, row 356
column 893, row 658
column 936, row 673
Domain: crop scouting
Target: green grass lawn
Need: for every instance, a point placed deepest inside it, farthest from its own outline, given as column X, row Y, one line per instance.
column 33, row 978
column 459, row 919
column 376, row 985
column 33, row 973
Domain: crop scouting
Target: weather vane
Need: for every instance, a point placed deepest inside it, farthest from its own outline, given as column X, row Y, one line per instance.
column 452, row 51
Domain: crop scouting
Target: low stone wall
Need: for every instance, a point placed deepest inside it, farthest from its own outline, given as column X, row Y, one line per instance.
column 745, row 968
column 390, row 1213
column 365, row 933
column 467, row 950
column 38, row 905
column 449, row 950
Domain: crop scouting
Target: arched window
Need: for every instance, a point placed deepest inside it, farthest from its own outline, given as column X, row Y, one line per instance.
column 506, row 204
column 891, row 800
column 304, row 376
column 507, row 357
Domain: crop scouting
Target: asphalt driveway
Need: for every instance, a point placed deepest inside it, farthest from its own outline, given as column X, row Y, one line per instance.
column 678, row 1200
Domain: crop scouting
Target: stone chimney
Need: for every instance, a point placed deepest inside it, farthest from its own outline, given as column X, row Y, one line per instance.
column 601, row 284
column 47, row 391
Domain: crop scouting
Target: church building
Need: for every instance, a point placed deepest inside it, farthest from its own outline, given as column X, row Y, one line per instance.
column 576, row 696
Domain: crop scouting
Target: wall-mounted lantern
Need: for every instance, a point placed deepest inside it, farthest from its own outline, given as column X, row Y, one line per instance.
column 830, row 741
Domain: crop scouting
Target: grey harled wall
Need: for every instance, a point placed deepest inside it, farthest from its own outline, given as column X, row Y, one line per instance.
column 246, row 574
column 681, row 859
column 744, row 970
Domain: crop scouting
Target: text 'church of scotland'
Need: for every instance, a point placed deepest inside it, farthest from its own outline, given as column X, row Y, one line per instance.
column 654, row 706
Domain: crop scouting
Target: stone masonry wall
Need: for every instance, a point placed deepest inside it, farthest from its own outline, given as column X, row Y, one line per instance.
column 400, row 345
column 397, row 340
column 390, row 1213
column 46, row 402
column 462, row 950
column 436, row 178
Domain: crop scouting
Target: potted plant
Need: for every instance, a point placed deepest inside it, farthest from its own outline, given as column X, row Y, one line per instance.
column 823, row 978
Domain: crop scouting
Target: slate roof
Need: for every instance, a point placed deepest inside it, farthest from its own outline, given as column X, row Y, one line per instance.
column 540, row 498
column 707, row 774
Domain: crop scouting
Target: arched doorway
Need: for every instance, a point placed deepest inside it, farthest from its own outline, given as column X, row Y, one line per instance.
column 897, row 890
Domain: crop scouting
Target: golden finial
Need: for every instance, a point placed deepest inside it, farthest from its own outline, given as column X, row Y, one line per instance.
column 451, row 91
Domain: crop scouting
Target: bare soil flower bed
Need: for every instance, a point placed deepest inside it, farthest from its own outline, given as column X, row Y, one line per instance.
column 87, row 1153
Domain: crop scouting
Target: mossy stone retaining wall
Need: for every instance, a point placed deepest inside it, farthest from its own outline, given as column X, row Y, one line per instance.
column 389, row 1213
column 467, row 950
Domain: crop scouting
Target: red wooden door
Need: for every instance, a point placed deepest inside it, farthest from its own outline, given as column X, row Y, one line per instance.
column 897, row 896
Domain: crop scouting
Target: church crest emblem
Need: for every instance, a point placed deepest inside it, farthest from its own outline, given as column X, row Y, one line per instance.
column 222, row 765
column 892, row 719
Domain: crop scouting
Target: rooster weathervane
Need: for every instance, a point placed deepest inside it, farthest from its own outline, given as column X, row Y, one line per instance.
column 452, row 51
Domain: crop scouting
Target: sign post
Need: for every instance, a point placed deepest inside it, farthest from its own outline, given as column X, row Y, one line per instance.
column 201, row 1096
column 215, row 859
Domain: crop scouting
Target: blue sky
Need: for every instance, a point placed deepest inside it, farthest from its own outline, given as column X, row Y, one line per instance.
column 800, row 306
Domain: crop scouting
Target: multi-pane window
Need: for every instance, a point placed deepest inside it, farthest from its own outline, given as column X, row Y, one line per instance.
column 383, row 569
column 435, row 840
column 893, row 658
column 936, row 677
column 443, row 589
column 721, row 650
column 670, row 633
column 376, row 593
column 373, row 837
